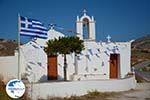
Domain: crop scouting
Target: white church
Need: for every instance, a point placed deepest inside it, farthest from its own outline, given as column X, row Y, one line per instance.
column 99, row 61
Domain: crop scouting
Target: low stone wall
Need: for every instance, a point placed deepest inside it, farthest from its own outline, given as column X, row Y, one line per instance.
column 78, row 88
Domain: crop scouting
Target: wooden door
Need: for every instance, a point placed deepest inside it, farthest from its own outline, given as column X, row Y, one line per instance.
column 113, row 66
column 52, row 67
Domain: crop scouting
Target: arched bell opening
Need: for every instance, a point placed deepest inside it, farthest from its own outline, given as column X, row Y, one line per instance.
column 86, row 28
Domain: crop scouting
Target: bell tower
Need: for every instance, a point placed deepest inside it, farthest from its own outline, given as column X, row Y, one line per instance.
column 85, row 27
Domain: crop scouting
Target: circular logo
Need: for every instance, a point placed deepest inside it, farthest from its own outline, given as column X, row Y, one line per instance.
column 15, row 88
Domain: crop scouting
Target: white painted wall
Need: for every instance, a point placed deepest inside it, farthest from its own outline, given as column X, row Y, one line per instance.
column 79, row 27
column 124, row 49
column 8, row 67
column 95, row 66
column 92, row 30
column 70, row 67
column 98, row 62
column 78, row 88
column 52, row 34
column 34, row 63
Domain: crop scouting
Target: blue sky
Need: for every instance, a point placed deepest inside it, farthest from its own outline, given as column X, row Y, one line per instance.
column 123, row 20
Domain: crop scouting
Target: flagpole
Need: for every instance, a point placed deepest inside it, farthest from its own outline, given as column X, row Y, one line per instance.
column 18, row 74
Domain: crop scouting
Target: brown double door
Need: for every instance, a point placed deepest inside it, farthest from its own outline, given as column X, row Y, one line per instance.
column 52, row 68
column 114, row 66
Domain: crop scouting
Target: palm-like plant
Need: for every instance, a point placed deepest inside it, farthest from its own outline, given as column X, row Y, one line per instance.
column 64, row 45
column 51, row 48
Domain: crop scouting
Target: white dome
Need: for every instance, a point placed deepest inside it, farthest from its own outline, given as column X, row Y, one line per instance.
column 52, row 34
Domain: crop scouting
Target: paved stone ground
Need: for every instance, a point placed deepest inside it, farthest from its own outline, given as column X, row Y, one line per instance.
column 141, row 92
column 143, row 75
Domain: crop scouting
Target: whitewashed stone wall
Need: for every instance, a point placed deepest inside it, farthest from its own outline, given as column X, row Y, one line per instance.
column 8, row 67
column 78, row 88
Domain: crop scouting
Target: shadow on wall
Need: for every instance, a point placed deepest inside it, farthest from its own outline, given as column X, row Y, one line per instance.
column 45, row 78
column 60, row 77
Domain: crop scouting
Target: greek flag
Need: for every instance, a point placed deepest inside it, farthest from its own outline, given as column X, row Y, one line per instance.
column 32, row 28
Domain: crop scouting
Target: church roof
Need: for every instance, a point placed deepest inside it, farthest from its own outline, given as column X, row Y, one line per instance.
column 52, row 34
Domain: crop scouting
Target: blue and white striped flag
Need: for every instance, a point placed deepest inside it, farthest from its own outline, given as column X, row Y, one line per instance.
column 32, row 28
